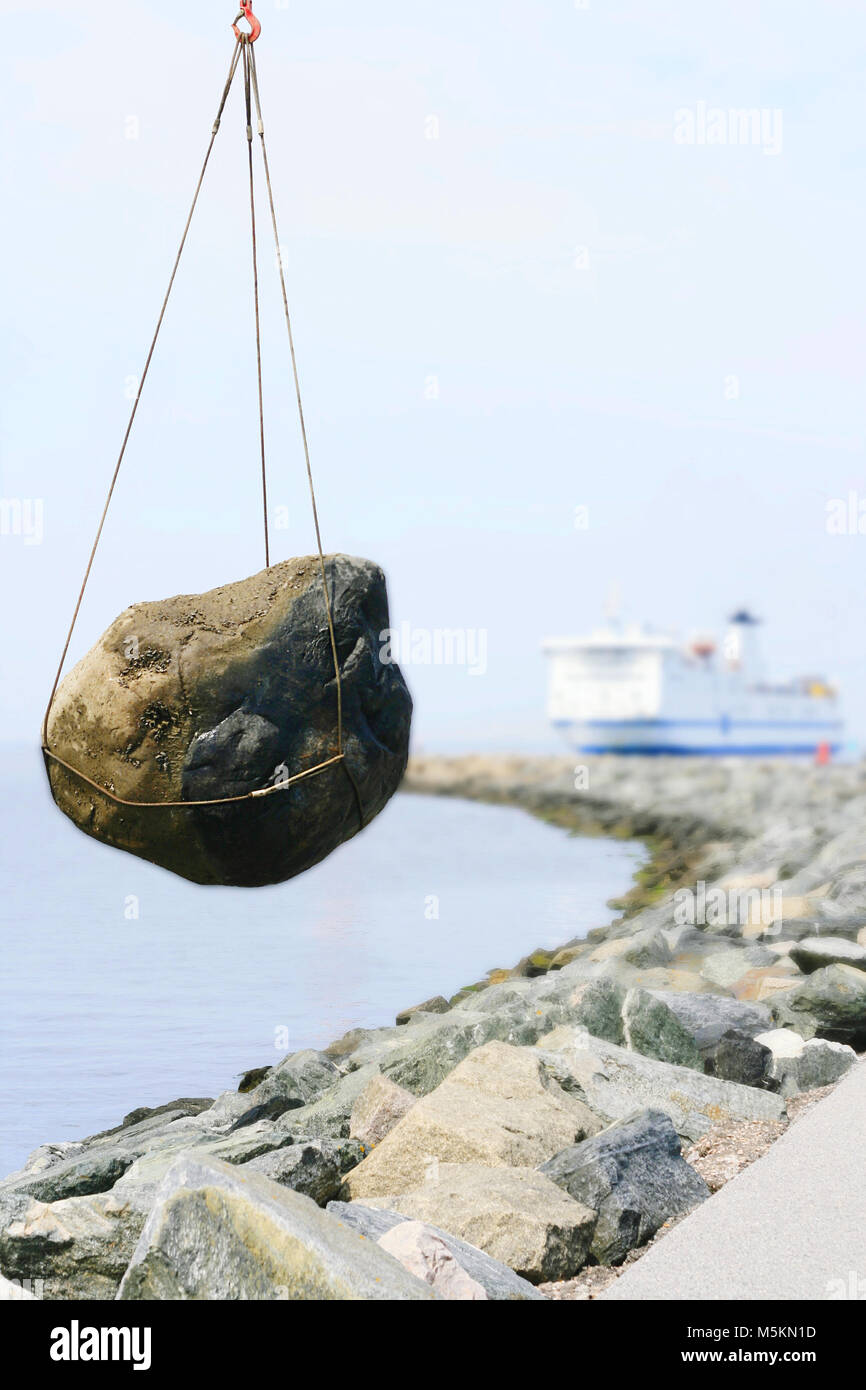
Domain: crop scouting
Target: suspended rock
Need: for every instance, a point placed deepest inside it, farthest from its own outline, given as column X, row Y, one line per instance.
column 219, row 694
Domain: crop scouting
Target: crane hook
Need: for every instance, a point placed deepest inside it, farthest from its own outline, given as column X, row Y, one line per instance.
column 246, row 12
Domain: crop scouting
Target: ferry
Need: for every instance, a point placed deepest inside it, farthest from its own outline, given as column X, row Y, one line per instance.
column 624, row 689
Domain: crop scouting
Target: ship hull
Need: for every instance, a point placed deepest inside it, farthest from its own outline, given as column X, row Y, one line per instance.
column 701, row 737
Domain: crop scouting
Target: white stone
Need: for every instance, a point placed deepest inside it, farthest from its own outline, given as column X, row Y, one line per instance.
column 424, row 1253
column 782, row 1042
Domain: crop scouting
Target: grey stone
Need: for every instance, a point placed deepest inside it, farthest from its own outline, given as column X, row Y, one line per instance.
column 655, row 1030
column 814, row 952
column 220, row 692
column 94, row 1170
column 46, row 1156
column 329, row 1116
column 822, row 1063
column 830, row 1003
column 799, row 928
column 797, row 1065
column 150, row 1116
column 738, row 1057
column 499, row 1282
column 614, row 1083
column 725, row 968
column 436, row 1005
column 299, row 1079
column 648, row 948
column 423, row 1062
column 596, row 1005
column 633, row 1176
column 847, row 894
column 783, row 1043
column 346, row 1046
column 238, row 1146
column 78, row 1247
column 707, row 1017
column 223, row 1233
column 494, row 998
column 687, row 940
column 307, row 1167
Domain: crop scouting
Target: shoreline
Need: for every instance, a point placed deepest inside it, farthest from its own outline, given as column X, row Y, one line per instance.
column 694, row 1024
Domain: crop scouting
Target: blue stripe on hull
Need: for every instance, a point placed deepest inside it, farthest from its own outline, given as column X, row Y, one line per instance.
column 811, row 724
column 753, row 750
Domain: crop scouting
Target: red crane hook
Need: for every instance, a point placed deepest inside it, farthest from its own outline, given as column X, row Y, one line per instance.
column 246, row 12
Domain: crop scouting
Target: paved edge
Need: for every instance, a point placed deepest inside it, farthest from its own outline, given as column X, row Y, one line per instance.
column 791, row 1226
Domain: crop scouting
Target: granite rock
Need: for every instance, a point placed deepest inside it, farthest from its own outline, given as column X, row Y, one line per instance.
column 633, row 1176
column 215, row 695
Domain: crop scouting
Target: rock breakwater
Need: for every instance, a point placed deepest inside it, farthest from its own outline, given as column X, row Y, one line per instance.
column 535, row 1123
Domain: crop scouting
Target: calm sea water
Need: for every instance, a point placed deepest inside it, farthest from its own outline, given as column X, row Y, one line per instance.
column 102, row 1010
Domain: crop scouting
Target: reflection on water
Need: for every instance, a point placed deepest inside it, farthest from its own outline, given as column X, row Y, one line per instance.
column 123, row 985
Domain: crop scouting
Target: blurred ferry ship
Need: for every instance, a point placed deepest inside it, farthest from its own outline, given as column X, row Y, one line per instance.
column 625, row 690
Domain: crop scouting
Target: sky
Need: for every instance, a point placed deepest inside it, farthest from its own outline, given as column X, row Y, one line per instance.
column 563, row 321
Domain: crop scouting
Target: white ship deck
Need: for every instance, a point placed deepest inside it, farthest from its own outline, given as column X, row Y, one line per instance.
column 629, row 691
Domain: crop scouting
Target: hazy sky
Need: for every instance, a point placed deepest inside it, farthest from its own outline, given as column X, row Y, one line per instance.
column 526, row 278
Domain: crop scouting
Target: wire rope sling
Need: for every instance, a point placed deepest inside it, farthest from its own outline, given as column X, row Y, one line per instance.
column 239, row 735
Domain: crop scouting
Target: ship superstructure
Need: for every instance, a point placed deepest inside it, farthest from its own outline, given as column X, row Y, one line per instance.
column 624, row 689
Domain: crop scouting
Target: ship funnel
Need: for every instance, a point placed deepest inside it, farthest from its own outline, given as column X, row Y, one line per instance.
column 740, row 646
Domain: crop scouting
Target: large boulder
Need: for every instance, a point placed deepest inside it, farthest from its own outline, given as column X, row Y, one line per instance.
column 311, row 1168
column 724, row 968
column 76, row 1248
column 597, row 1006
column 737, row 1057
column 223, row 1233
column 652, row 1028
column 377, row 1110
column 830, row 1003
column 804, row 1066
column 79, row 1175
column 213, row 695
column 634, row 1176
column 425, row 1054
column 614, row 1083
column 707, row 1017
column 498, row 1107
column 516, row 1215
column 437, row 1005
column 814, row 952
column 823, row 1063
column 328, row 1117
column 298, row 1080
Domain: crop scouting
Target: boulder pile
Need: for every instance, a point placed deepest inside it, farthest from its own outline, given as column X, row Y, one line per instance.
column 533, row 1123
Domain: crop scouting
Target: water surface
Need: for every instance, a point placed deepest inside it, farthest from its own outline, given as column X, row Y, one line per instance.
column 122, row 985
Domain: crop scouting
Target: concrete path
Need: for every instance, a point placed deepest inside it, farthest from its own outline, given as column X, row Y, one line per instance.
column 793, row 1225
